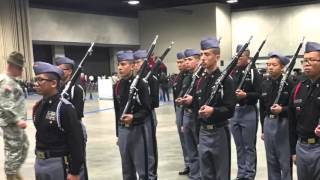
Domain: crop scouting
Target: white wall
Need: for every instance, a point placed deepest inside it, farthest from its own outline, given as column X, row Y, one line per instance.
column 63, row 26
column 223, row 29
column 58, row 50
column 286, row 26
column 185, row 25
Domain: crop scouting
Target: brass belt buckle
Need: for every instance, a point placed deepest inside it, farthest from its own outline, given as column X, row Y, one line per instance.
column 210, row 126
column 272, row 116
column 311, row 140
column 40, row 155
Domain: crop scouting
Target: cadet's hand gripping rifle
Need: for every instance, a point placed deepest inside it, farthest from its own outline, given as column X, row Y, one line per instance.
column 288, row 72
column 76, row 74
column 133, row 87
column 250, row 65
column 225, row 73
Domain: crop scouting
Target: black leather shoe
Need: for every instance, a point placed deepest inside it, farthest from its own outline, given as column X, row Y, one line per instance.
column 185, row 171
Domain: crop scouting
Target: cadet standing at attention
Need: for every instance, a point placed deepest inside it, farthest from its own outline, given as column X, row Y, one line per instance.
column 244, row 123
column 214, row 137
column 59, row 137
column 13, row 117
column 275, row 122
column 76, row 96
column 177, row 87
column 189, row 120
column 130, row 127
column 304, row 112
column 153, row 85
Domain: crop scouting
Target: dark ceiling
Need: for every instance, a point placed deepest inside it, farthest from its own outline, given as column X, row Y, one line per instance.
column 121, row 8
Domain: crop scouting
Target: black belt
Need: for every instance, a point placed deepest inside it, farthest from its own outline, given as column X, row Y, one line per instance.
column 273, row 116
column 121, row 124
column 244, row 104
column 50, row 154
column 311, row 140
column 211, row 126
column 189, row 110
column 125, row 125
column 238, row 105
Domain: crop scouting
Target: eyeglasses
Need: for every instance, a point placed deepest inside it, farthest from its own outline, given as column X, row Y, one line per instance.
column 309, row 60
column 41, row 80
column 66, row 69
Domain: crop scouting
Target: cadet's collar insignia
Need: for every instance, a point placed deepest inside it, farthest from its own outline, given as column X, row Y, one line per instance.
column 51, row 115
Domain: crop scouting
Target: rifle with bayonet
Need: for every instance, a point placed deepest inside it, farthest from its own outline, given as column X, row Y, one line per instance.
column 158, row 63
column 287, row 73
column 76, row 74
column 133, row 87
column 250, row 65
column 225, row 73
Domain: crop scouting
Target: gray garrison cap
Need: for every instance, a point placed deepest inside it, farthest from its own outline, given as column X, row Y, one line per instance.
column 283, row 59
column 43, row 67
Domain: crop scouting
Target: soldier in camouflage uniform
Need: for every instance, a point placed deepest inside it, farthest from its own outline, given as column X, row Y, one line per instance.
column 13, row 117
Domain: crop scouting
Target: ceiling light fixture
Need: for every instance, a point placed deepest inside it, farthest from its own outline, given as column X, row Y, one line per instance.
column 133, row 2
column 231, row 1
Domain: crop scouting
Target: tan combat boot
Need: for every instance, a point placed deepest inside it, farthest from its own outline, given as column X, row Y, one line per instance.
column 11, row 177
column 18, row 176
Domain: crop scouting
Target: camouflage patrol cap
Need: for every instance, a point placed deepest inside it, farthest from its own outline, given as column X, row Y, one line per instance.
column 16, row 58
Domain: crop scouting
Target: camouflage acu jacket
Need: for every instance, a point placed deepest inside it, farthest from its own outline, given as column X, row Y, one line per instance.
column 12, row 102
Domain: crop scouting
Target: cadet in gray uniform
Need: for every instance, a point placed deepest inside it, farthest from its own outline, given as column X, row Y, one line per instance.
column 214, row 137
column 131, row 127
column 151, row 124
column 189, row 121
column 13, row 116
column 177, row 87
column 59, row 136
column 304, row 112
column 76, row 95
column 244, row 123
column 275, row 122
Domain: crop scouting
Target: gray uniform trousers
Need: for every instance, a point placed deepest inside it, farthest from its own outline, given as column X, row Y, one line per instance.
column 133, row 151
column 277, row 144
column 308, row 161
column 179, row 116
column 150, row 127
column 215, row 153
column 53, row 169
column 244, row 130
column 191, row 139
